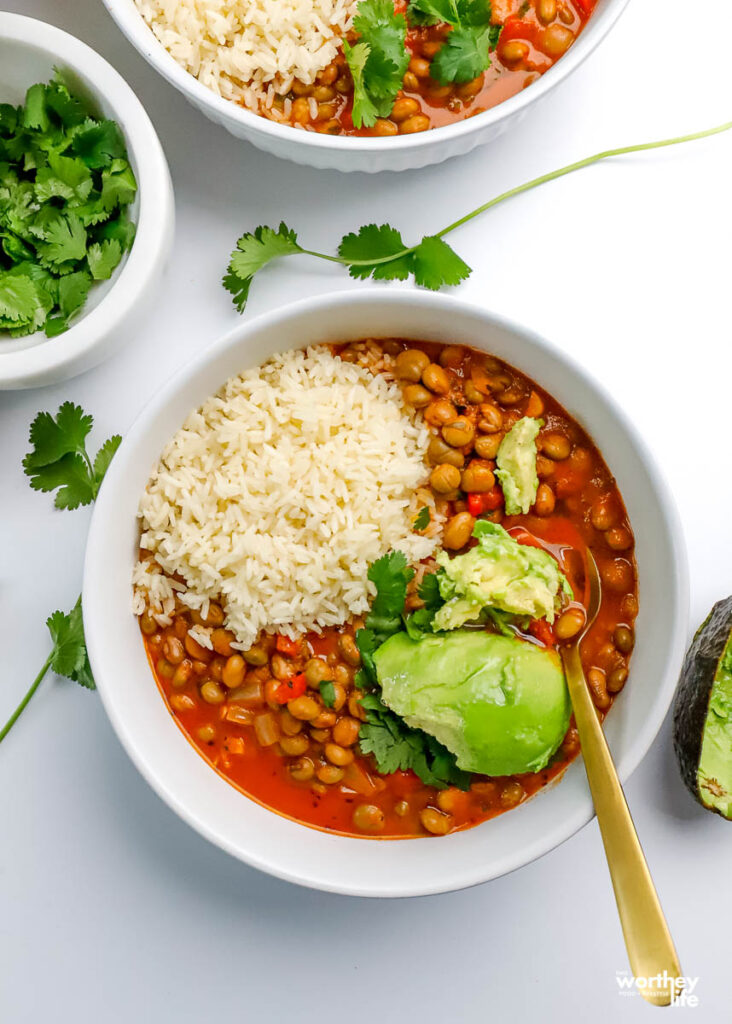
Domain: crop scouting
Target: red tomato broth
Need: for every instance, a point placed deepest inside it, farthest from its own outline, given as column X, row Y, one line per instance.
column 264, row 773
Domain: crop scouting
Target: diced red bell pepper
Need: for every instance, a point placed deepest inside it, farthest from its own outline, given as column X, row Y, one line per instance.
column 586, row 6
column 286, row 646
column 543, row 632
column 291, row 688
column 485, row 501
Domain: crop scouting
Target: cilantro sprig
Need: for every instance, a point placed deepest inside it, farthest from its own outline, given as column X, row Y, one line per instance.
column 392, row 743
column 377, row 61
column 65, row 184
column 465, row 54
column 378, row 251
column 60, row 462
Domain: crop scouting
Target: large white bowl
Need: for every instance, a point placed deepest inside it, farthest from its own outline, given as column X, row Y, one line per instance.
column 29, row 52
column 359, row 154
column 368, row 867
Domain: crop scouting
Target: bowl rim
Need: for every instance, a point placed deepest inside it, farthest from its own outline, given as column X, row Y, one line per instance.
column 46, row 362
column 133, row 25
column 95, row 574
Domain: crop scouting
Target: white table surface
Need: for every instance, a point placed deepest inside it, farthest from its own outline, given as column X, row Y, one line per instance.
column 113, row 910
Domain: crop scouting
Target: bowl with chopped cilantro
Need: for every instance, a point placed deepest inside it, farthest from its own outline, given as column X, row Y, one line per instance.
column 86, row 205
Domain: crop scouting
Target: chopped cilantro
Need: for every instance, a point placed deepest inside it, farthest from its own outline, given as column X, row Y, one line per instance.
column 392, row 743
column 377, row 61
column 327, row 693
column 65, row 184
column 396, row 747
column 465, row 54
column 422, row 519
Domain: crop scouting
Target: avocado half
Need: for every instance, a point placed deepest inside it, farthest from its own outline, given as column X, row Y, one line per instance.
column 702, row 718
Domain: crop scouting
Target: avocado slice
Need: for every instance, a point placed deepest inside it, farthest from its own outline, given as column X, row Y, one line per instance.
column 499, row 704
column 702, row 718
column 516, row 465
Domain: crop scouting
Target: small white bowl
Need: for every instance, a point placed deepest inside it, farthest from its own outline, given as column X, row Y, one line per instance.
column 367, row 867
column 29, row 52
column 405, row 152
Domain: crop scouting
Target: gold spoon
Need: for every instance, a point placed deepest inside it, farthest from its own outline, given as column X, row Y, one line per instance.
column 650, row 947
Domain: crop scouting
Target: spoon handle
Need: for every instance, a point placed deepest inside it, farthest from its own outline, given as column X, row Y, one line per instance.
column 650, row 947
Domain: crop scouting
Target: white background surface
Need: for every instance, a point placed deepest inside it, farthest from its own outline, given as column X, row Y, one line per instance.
column 112, row 910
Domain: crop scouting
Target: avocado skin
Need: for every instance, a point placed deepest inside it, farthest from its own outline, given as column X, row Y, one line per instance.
column 691, row 704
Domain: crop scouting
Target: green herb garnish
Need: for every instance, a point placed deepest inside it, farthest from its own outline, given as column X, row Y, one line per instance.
column 422, row 519
column 465, row 54
column 377, row 61
column 59, row 462
column 65, row 183
column 327, row 692
column 392, row 743
column 379, row 251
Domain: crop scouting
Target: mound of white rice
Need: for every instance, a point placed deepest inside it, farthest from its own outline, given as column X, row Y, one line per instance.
column 249, row 50
column 277, row 495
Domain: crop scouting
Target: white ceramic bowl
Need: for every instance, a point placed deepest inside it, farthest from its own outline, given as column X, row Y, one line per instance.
column 359, row 154
column 368, row 867
column 29, row 52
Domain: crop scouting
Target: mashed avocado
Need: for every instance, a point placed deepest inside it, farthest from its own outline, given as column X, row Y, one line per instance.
column 516, row 465
column 498, row 703
column 498, row 573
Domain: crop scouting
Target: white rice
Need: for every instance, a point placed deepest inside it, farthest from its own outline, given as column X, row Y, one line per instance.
column 250, row 50
column 279, row 492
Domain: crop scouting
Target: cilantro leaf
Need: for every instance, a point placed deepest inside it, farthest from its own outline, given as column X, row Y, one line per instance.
column 72, row 292
column 104, row 456
column 390, row 574
column 422, row 519
column 98, row 143
column 69, row 477
column 120, row 228
column 378, row 60
column 464, row 55
column 396, row 747
column 327, row 693
column 53, row 438
column 35, row 114
column 69, row 109
column 365, row 111
column 64, row 239
column 367, row 643
column 255, row 250
column 69, row 656
column 436, row 264
column 19, row 299
column 64, row 178
column 420, row 621
column 103, row 257
column 429, row 590
column 373, row 242
column 59, row 461
column 433, row 12
column 119, row 185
